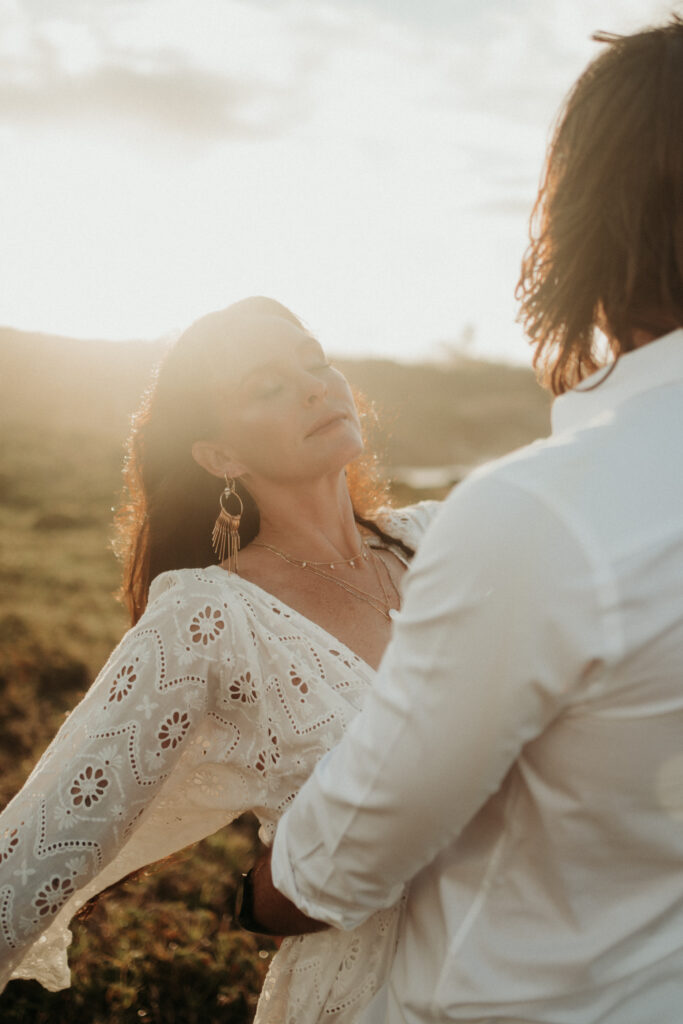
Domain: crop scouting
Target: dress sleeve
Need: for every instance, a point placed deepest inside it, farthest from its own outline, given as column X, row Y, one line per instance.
column 82, row 820
column 409, row 523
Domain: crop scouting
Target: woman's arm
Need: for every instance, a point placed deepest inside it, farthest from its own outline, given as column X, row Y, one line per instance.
column 93, row 785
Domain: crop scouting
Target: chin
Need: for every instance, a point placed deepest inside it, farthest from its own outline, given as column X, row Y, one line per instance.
column 339, row 456
column 349, row 444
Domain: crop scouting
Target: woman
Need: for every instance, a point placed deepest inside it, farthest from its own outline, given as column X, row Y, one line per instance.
column 235, row 678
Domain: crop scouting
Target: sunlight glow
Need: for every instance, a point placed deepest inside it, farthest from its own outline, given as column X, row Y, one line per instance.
column 373, row 171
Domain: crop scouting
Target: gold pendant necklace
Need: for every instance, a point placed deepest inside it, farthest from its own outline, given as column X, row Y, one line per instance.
column 307, row 563
column 383, row 605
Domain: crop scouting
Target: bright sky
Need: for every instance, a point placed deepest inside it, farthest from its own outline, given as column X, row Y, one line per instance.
column 370, row 163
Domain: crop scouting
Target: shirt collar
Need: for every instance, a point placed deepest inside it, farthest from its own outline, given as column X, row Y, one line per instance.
column 653, row 365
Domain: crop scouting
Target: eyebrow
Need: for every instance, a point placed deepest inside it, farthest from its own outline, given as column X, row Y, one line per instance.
column 308, row 342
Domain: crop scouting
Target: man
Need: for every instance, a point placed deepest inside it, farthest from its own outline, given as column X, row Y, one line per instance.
column 521, row 756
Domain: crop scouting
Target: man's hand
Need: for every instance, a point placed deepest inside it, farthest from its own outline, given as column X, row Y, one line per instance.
column 273, row 913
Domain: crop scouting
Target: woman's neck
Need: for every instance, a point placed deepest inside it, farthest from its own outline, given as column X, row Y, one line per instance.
column 312, row 520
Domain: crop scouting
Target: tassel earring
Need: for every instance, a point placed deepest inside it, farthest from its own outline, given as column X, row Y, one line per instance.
column 226, row 528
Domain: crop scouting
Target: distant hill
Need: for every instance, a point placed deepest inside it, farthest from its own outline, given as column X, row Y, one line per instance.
column 456, row 414
column 431, row 415
column 65, row 383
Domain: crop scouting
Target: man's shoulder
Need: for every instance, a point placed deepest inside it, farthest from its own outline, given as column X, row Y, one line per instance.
column 537, row 467
column 512, row 497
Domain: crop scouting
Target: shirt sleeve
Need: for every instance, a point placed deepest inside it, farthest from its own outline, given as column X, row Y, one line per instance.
column 93, row 785
column 499, row 628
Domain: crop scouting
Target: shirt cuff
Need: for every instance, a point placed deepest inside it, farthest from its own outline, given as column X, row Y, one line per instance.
column 283, row 876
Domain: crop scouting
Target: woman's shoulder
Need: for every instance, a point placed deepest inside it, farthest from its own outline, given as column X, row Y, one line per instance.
column 185, row 583
column 409, row 523
column 202, row 601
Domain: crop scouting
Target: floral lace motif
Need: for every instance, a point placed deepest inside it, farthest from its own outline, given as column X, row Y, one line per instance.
column 221, row 699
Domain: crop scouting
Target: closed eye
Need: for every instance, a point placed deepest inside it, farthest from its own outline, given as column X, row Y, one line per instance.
column 268, row 390
column 265, row 384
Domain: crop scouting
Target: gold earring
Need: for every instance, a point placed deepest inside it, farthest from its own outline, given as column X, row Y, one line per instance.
column 227, row 526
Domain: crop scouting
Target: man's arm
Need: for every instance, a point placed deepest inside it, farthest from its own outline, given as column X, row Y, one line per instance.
column 499, row 613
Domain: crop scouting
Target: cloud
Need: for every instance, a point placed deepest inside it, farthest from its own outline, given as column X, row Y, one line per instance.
column 222, row 68
column 70, row 62
column 169, row 93
column 234, row 69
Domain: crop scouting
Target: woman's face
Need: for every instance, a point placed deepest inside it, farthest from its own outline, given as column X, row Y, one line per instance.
column 288, row 414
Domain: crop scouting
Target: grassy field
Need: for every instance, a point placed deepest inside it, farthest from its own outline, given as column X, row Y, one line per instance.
column 162, row 948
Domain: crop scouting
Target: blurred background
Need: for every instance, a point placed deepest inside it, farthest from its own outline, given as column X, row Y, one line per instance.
column 370, row 163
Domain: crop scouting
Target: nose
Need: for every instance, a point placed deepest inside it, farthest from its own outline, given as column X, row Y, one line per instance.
column 313, row 388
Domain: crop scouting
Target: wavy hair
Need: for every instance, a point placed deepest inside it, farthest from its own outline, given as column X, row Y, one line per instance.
column 170, row 503
column 606, row 247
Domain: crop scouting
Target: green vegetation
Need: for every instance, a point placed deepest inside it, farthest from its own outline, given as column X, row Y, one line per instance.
column 162, row 947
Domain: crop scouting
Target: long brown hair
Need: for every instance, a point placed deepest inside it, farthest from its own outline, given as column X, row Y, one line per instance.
column 170, row 503
column 607, row 229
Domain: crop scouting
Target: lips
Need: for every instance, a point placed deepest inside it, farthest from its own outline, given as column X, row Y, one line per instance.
column 325, row 422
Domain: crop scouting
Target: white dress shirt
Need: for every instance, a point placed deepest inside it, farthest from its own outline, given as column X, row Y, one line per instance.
column 521, row 754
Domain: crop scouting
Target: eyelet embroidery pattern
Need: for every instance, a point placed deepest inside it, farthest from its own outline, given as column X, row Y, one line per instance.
column 243, row 689
column 8, row 844
column 53, row 896
column 173, row 729
column 124, row 681
column 216, row 678
column 88, row 787
column 351, row 955
column 207, row 625
column 298, row 682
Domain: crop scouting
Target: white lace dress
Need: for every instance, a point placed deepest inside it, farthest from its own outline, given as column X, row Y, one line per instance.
column 220, row 700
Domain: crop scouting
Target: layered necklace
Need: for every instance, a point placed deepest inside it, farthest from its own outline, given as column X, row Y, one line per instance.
column 325, row 570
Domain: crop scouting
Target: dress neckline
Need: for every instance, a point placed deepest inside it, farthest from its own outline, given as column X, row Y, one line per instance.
column 266, row 597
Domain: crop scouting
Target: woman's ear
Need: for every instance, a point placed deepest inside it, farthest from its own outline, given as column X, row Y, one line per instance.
column 215, row 460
